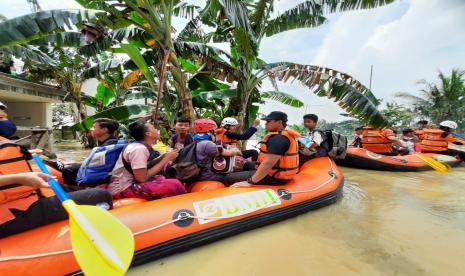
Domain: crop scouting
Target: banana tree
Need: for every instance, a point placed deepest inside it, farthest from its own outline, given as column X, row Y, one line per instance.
column 243, row 24
column 155, row 18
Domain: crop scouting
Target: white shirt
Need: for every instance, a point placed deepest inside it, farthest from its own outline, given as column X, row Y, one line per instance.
column 315, row 136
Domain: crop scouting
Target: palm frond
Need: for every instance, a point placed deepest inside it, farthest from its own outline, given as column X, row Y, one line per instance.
column 65, row 39
column 350, row 94
column 31, row 54
column 187, row 49
column 192, row 32
column 21, row 30
column 260, row 15
column 282, row 97
column 119, row 113
column 114, row 37
column 98, row 70
column 236, row 12
column 304, row 15
column 185, row 10
column 347, row 5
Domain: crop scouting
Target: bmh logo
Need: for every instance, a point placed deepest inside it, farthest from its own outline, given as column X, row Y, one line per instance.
column 235, row 205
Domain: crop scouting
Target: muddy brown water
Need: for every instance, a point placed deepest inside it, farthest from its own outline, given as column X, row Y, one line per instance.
column 386, row 223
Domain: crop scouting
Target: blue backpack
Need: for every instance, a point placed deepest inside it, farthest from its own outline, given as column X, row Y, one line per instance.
column 96, row 168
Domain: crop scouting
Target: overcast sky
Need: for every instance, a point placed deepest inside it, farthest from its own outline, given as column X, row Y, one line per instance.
column 405, row 41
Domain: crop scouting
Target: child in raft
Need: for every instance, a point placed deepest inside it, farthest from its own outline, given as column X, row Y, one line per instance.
column 138, row 173
column 182, row 137
column 227, row 136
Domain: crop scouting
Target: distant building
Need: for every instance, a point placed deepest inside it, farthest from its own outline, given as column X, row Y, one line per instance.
column 29, row 103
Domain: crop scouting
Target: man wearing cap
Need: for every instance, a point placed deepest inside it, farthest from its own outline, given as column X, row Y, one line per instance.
column 7, row 127
column 278, row 160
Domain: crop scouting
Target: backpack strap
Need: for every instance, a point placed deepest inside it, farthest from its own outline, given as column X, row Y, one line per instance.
column 127, row 165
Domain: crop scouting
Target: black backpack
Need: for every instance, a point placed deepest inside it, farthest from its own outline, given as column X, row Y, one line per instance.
column 337, row 144
column 186, row 165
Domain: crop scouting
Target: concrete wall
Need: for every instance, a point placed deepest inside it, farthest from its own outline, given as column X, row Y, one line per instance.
column 29, row 114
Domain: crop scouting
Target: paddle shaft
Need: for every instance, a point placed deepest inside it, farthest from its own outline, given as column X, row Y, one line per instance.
column 61, row 194
column 84, row 224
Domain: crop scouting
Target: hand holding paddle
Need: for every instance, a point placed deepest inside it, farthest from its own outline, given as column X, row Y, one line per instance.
column 101, row 244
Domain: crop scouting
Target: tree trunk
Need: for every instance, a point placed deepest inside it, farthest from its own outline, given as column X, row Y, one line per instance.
column 181, row 87
column 244, row 97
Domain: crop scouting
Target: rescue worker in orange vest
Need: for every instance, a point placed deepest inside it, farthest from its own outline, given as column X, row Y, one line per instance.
column 382, row 141
column 437, row 140
column 22, row 207
column 420, row 130
column 227, row 136
column 278, row 161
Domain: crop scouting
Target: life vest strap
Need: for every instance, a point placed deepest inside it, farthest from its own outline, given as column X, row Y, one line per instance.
column 12, row 160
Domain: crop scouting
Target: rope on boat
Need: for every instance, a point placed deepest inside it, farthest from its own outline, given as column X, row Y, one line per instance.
column 186, row 216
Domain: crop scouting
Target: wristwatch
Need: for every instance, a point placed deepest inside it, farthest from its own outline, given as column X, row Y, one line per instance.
column 249, row 180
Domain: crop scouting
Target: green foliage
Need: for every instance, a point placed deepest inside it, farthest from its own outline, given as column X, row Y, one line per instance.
column 345, row 127
column 21, row 30
column 299, row 128
column 119, row 113
column 350, row 94
column 62, row 115
column 304, row 15
column 441, row 101
column 399, row 116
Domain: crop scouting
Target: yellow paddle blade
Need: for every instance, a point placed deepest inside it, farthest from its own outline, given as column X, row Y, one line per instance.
column 102, row 244
column 438, row 166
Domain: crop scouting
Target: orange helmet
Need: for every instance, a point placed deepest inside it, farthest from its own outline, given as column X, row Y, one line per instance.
column 204, row 125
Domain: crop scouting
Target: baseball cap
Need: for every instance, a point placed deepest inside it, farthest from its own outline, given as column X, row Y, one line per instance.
column 2, row 106
column 276, row 115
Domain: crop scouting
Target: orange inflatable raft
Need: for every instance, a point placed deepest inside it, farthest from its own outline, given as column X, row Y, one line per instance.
column 365, row 159
column 166, row 226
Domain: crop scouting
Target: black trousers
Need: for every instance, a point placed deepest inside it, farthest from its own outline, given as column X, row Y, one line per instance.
column 49, row 210
column 69, row 173
column 251, row 153
column 244, row 175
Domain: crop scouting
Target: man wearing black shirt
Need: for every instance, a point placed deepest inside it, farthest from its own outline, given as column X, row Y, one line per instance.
column 278, row 147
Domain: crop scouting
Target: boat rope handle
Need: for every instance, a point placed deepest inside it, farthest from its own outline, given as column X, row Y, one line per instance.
column 179, row 218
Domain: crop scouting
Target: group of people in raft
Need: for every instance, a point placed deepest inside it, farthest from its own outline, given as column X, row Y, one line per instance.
column 141, row 172
column 421, row 139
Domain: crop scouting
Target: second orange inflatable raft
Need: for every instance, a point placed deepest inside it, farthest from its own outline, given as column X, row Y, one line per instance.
column 166, row 226
column 365, row 159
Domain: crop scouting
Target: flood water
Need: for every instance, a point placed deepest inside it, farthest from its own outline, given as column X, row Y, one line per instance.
column 386, row 223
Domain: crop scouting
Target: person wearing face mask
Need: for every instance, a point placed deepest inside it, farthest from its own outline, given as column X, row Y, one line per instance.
column 7, row 127
column 138, row 171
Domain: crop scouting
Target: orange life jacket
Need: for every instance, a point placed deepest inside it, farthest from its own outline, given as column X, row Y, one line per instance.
column 13, row 159
column 374, row 141
column 221, row 136
column 433, row 142
column 288, row 164
column 420, row 133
